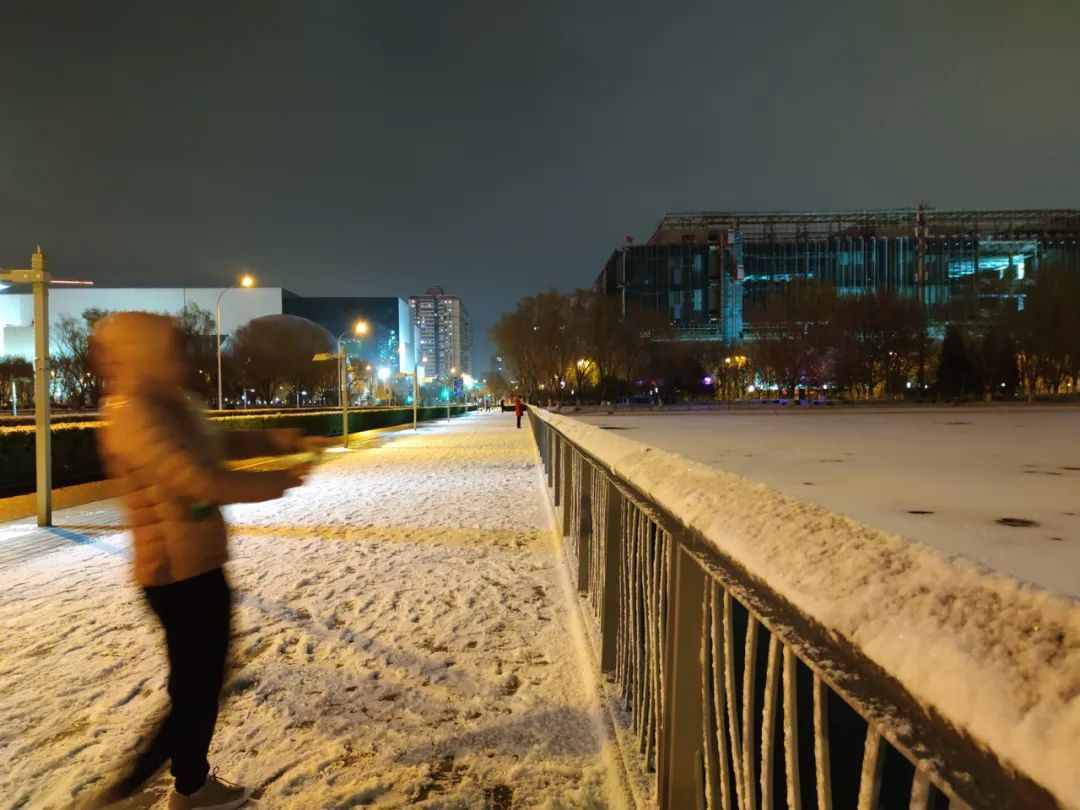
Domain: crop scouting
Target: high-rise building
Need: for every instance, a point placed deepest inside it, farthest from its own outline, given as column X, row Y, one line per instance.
column 445, row 332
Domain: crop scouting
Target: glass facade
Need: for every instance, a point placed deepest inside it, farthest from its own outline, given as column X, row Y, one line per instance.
column 698, row 286
column 703, row 269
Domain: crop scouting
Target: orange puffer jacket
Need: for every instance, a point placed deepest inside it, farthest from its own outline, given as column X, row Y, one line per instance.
column 169, row 459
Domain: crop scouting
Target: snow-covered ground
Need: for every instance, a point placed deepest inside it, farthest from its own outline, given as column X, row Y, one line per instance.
column 944, row 477
column 404, row 635
column 996, row 657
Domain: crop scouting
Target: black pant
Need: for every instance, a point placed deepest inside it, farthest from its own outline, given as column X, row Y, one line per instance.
column 519, row 420
column 196, row 615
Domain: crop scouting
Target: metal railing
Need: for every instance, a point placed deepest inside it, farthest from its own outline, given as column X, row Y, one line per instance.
column 739, row 701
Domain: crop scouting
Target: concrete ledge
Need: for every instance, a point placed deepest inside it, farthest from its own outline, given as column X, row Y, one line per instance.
column 20, row 506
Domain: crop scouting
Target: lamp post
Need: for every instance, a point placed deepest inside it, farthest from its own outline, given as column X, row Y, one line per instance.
column 450, row 398
column 416, row 388
column 360, row 328
column 39, row 279
column 247, row 281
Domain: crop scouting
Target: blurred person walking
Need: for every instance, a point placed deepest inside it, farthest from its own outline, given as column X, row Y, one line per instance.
column 170, row 461
column 519, row 409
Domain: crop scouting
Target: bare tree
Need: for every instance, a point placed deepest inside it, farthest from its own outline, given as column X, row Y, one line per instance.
column 273, row 354
column 16, row 379
column 78, row 384
column 197, row 326
column 794, row 333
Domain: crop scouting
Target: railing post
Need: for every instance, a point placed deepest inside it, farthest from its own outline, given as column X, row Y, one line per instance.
column 585, row 531
column 613, row 550
column 681, row 736
column 549, row 439
column 557, row 471
column 567, row 486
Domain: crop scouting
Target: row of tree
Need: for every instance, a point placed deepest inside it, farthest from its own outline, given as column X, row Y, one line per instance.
column 267, row 361
column 268, row 358
column 557, row 345
column 802, row 336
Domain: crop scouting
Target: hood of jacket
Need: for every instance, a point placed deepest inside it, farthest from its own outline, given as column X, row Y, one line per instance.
column 139, row 352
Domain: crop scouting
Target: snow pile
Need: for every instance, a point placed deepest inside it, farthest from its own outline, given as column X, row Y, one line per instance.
column 996, row 657
column 402, row 637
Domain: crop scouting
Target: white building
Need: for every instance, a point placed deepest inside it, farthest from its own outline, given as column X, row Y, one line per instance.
column 237, row 308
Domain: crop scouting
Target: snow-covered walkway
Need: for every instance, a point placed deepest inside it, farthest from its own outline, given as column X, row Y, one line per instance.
column 404, row 635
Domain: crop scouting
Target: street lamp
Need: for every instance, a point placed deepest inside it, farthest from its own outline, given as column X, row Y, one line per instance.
column 39, row 279
column 416, row 381
column 246, row 281
column 359, row 329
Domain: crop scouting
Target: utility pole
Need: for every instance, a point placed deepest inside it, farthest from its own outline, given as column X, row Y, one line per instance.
column 343, row 394
column 38, row 279
column 42, row 417
column 415, row 395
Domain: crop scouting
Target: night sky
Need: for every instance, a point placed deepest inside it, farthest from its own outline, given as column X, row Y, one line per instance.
column 363, row 148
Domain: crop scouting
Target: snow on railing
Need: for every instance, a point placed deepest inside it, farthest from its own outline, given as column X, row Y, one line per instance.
column 744, row 695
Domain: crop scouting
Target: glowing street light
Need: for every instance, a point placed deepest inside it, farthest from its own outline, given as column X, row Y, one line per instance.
column 417, row 370
column 246, row 281
column 359, row 329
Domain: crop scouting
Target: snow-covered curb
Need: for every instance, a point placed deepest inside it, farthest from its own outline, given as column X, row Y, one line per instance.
column 997, row 658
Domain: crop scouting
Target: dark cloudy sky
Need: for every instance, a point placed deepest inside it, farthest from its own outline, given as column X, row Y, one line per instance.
column 498, row 148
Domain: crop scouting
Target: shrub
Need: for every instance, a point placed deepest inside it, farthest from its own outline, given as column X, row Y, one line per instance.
column 74, row 445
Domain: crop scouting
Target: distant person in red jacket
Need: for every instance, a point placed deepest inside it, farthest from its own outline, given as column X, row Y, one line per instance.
column 519, row 409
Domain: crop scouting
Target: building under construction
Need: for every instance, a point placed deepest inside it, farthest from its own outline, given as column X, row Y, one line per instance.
column 703, row 269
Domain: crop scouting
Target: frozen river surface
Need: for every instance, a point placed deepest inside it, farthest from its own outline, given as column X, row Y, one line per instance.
column 998, row 485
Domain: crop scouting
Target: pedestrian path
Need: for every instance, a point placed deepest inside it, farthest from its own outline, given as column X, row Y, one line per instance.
column 404, row 636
